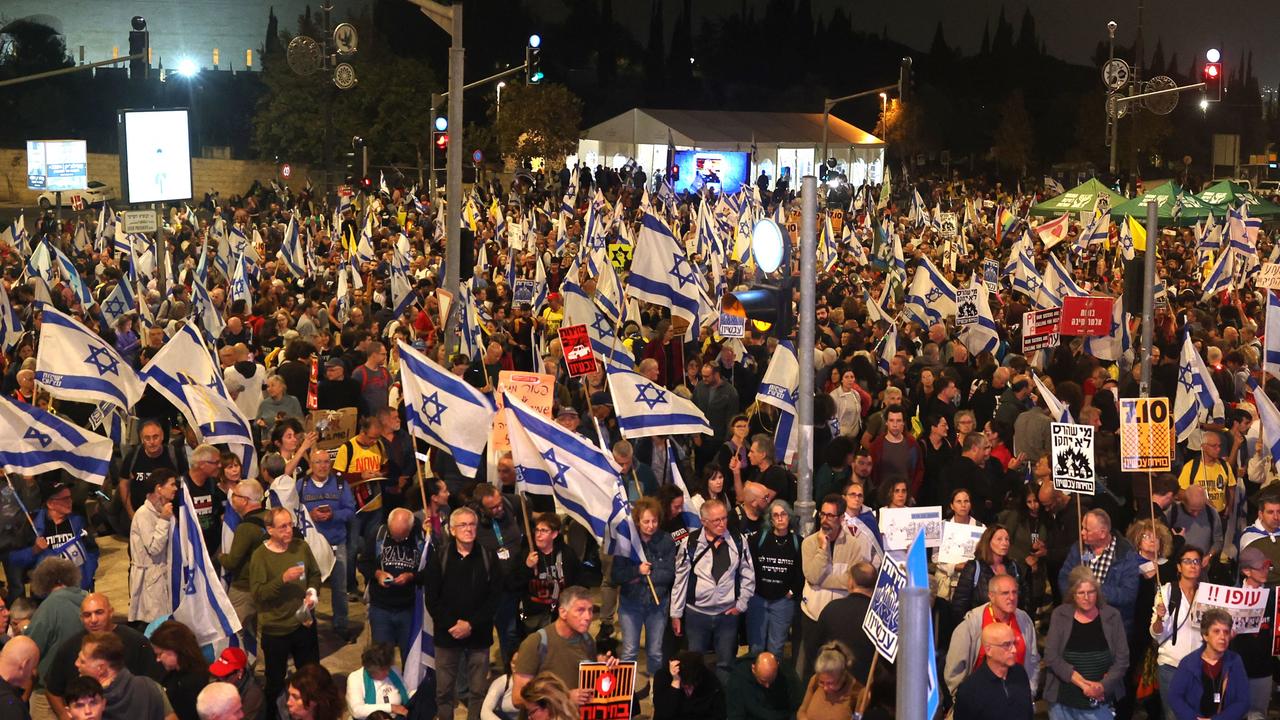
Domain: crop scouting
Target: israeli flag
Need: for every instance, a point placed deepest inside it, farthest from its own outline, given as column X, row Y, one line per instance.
column 10, row 322
column 1197, row 396
column 401, row 288
column 1271, row 344
column 218, row 420
column 203, row 310
column 40, row 264
column 609, row 292
column 199, row 601
column 584, row 478
column 444, row 410
column 75, row 363
column 780, row 388
column 981, row 336
column 1112, row 345
column 119, row 302
column 292, row 252
column 470, row 340
column 661, row 273
column 692, row 519
column 887, row 348
column 645, row 409
column 240, row 280
column 1220, row 276
column 1269, row 416
column 422, row 646
column 918, row 577
column 1058, row 279
column 37, row 441
column 578, row 309
column 930, row 297
column 1059, row 410
column 828, row 251
column 284, row 493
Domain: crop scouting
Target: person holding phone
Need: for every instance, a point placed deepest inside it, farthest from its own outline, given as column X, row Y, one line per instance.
column 329, row 501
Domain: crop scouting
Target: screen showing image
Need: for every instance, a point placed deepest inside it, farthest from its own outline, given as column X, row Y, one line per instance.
column 722, row 171
column 57, row 165
column 157, row 150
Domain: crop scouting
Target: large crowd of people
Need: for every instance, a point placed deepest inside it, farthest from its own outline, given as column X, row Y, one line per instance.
column 1086, row 603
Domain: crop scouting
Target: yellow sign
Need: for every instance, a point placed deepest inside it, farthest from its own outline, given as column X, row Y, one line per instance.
column 837, row 221
column 537, row 390
column 1146, row 435
column 620, row 255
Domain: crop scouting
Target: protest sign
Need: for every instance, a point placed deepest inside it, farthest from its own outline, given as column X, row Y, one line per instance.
column 524, row 291
column 612, row 690
column 1040, row 329
column 967, row 306
column 900, row 525
column 1146, row 438
column 991, row 274
column 958, row 542
column 1089, row 316
column 1072, row 458
column 1247, row 606
column 575, row 343
column 881, row 621
column 537, row 390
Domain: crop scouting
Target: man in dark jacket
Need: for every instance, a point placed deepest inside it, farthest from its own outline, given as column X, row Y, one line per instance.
column 18, row 662
column 500, row 532
column 391, row 564
column 842, row 618
column 1113, row 561
column 998, row 689
column 463, row 615
column 336, row 390
column 761, row 688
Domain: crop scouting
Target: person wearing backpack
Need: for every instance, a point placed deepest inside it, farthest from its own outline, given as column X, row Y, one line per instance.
column 775, row 556
column 58, row 532
column 391, row 567
column 462, row 586
column 328, row 499
column 250, row 531
column 151, row 454
column 715, row 581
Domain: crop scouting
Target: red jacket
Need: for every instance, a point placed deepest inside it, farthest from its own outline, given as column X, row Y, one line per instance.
column 916, row 477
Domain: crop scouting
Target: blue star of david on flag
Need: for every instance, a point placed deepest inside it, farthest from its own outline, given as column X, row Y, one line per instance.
column 102, row 361
column 34, row 434
column 685, row 279
column 114, row 307
column 432, row 400
column 659, row 397
column 933, row 294
column 601, row 326
column 560, row 468
column 1186, row 378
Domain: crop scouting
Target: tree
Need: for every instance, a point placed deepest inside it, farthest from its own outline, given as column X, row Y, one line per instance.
column 539, row 121
column 1014, row 140
column 28, row 47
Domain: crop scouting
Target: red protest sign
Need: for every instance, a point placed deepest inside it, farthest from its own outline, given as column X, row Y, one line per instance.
column 576, row 346
column 1086, row 316
column 1040, row 329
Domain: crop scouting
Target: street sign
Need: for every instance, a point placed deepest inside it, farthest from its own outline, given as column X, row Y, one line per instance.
column 286, row 171
column 881, row 621
column 139, row 221
column 1072, row 458
column 732, row 326
column 344, row 76
column 1146, row 435
column 1040, row 329
column 1089, row 316
column 1161, row 104
column 967, row 305
column 477, row 157
column 1116, row 110
column 345, row 38
column 575, row 343
column 1115, row 74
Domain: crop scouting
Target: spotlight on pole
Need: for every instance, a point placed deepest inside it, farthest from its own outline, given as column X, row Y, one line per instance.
column 188, row 68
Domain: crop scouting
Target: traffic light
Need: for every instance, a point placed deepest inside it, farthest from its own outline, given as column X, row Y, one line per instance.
column 533, row 61
column 366, row 184
column 441, row 142
column 767, row 303
column 139, row 45
column 1213, row 75
column 904, row 80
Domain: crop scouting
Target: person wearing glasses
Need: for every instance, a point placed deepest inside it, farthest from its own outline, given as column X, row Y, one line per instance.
column 245, row 504
column 201, row 485
column 966, row 650
column 998, row 688
column 57, row 531
column 825, row 559
column 462, row 590
column 1086, row 652
column 776, row 558
column 1174, row 626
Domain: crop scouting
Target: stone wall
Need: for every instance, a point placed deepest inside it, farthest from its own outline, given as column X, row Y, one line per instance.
column 228, row 177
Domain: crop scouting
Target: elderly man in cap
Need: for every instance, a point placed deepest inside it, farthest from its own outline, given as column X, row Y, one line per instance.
column 58, row 532
column 336, row 390
column 1255, row 648
column 232, row 668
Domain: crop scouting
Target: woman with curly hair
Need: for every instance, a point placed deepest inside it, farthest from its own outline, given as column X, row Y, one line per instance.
column 311, row 694
column 546, row 697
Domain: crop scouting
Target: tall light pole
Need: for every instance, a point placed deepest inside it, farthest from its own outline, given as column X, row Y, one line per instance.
column 498, row 111
column 884, row 115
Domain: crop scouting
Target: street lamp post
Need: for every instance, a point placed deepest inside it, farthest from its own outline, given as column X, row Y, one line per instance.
column 884, row 115
column 498, row 111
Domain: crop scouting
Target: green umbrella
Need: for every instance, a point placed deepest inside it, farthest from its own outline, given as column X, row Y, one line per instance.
column 1173, row 206
column 1081, row 198
column 1227, row 194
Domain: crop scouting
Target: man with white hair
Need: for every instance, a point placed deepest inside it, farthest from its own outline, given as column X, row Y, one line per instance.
column 201, row 485
column 18, row 661
column 219, row 701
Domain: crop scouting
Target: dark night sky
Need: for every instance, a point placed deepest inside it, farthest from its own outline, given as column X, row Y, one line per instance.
column 1071, row 30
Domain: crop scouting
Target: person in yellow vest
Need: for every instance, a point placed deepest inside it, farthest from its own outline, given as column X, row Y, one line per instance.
column 1210, row 472
column 361, row 463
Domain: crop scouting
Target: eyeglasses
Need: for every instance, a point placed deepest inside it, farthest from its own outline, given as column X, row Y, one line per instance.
column 1006, row 645
column 464, row 526
column 779, row 514
column 827, row 515
column 717, row 520
column 542, row 531
column 1189, row 561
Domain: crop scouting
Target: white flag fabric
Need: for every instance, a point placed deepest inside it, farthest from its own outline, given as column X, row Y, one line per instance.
column 119, row 303
column 1220, row 276
column 199, row 600
column 645, row 409
column 284, row 493
column 1058, row 409
column 36, row 441
column 240, row 279
column 422, row 643
column 10, row 322
column 981, row 336
column 203, row 310
column 1197, row 396
column 1112, row 345
column 1271, row 344
column 930, row 297
column 1269, row 416
column 444, row 410
column 780, row 388
column 75, row 363
column 292, row 252
column 661, row 272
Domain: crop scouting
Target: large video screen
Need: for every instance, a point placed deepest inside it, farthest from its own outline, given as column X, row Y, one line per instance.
column 57, row 165
column 155, row 151
column 723, row 171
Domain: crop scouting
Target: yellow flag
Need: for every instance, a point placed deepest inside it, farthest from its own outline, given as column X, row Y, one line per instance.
column 1139, row 234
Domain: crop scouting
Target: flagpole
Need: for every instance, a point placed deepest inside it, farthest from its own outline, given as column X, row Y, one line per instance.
column 864, row 698
column 32, row 523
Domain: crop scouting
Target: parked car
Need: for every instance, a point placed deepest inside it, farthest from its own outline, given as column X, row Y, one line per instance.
column 96, row 194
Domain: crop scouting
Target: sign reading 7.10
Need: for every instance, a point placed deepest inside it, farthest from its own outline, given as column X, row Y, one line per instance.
column 1146, row 435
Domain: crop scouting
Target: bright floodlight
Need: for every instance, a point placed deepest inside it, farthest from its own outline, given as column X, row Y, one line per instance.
column 442, row 123
column 1204, row 103
column 535, row 41
column 1212, row 55
column 766, row 244
column 188, row 67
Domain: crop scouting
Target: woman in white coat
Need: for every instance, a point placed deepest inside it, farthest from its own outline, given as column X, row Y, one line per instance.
column 149, row 593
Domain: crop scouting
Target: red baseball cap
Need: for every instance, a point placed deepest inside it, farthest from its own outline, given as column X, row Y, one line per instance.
column 230, row 661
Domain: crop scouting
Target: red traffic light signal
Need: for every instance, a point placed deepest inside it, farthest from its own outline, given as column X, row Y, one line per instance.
column 366, row 183
column 442, row 141
column 1213, row 81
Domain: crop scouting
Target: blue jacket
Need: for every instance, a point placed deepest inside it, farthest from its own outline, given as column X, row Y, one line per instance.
column 1121, row 586
column 337, row 495
column 661, row 552
column 1187, row 687
column 85, row 546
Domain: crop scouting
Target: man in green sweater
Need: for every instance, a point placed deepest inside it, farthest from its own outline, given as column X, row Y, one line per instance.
column 281, row 572
column 246, row 501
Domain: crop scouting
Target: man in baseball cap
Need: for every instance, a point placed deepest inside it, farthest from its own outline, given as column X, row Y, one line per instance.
column 232, row 667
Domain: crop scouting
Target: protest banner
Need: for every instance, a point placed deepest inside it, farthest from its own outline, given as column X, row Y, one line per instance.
column 1146, row 437
column 612, row 689
column 1072, row 458
column 537, row 390
column 967, row 306
column 524, row 291
column 958, row 542
column 1090, row 316
column 900, row 525
column 1040, row 329
column 575, row 343
column 1247, row 606
column 881, row 621
column 991, row 274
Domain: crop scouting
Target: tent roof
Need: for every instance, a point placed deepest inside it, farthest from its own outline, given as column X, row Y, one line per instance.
column 711, row 128
column 1226, row 193
column 1078, row 199
column 1193, row 208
